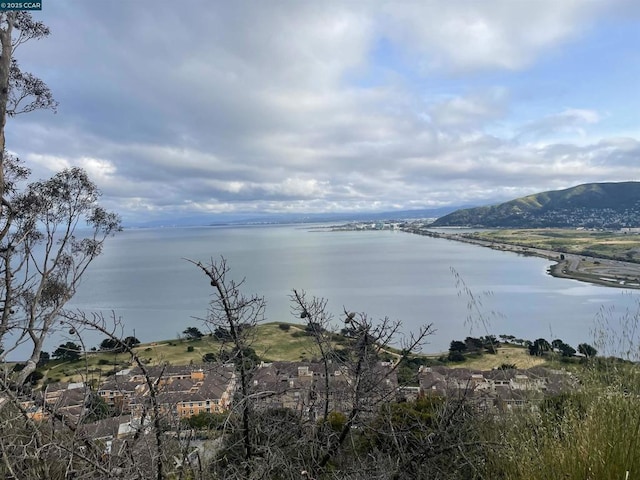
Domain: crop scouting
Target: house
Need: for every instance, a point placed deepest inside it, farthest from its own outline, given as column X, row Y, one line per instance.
column 495, row 389
column 307, row 387
column 118, row 391
column 65, row 401
column 181, row 392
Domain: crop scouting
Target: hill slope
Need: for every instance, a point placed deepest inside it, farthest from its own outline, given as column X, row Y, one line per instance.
column 592, row 205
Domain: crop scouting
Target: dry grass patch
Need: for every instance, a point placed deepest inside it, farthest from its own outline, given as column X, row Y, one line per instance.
column 604, row 244
column 273, row 343
column 517, row 356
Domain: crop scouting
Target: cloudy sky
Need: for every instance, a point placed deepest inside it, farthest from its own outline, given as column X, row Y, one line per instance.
column 309, row 106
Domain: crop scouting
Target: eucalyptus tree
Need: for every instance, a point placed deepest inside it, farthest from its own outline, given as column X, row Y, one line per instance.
column 42, row 255
column 20, row 92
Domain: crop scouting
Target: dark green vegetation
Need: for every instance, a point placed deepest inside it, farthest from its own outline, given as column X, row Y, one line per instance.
column 471, row 352
column 592, row 205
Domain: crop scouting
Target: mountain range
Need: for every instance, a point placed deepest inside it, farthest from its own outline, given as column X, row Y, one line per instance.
column 591, row 205
column 285, row 218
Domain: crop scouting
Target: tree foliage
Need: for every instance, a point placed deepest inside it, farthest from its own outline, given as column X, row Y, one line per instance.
column 539, row 347
column 69, row 352
column 117, row 345
column 206, row 421
column 587, row 350
column 192, row 333
column 41, row 256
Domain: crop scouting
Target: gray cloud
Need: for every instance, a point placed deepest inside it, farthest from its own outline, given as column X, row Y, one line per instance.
column 290, row 106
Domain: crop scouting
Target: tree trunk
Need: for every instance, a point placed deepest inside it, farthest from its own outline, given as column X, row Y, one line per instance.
column 5, row 68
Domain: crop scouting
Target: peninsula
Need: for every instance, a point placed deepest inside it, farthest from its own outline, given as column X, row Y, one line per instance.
column 592, row 231
column 602, row 258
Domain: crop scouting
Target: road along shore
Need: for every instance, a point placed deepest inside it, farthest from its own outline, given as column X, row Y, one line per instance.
column 599, row 271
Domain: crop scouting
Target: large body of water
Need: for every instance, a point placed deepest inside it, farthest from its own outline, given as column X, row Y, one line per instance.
column 142, row 277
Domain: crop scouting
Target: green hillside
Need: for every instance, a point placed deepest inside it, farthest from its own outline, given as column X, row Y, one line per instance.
column 592, row 205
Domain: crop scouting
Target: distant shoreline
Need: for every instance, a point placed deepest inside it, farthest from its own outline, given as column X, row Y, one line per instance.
column 594, row 270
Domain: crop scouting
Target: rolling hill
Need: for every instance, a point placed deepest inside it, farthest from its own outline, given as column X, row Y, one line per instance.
column 592, row 205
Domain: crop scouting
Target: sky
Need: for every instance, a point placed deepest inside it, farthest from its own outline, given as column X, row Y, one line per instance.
column 226, row 107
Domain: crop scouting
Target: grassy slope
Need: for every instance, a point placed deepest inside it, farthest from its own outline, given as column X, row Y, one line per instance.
column 270, row 343
column 518, row 356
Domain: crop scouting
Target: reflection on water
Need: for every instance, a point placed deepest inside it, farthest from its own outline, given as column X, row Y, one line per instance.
column 144, row 278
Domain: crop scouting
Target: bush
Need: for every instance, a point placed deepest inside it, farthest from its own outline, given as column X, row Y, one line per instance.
column 313, row 327
column 34, row 377
column 336, row 421
column 284, row 327
column 222, row 334
column 455, row 356
column 206, row 421
column 190, row 348
column 104, row 361
column 209, row 357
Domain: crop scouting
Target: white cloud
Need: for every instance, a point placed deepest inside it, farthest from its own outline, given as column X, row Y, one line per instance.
column 295, row 106
column 471, row 111
column 468, row 35
column 570, row 120
column 46, row 163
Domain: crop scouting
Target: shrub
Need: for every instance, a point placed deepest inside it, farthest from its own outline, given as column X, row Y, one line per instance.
column 206, row 421
column 455, row 356
column 209, row 357
column 190, row 348
column 313, row 328
column 34, row 377
column 284, row 327
column 222, row 334
column 336, row 421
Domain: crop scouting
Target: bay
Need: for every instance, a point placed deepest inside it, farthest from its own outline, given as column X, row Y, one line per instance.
column 143, row 278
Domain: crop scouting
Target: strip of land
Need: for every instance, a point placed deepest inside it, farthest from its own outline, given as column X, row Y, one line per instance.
column 591, row 257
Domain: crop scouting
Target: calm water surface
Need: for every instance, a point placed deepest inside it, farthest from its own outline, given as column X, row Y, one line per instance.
column 143, row 277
